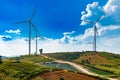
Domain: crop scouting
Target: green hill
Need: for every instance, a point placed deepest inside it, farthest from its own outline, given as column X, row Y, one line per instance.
column 25, row 68
column 22, row 67
column 31, row 58
column 103, row 63
column 20, row 70
column 68, row 56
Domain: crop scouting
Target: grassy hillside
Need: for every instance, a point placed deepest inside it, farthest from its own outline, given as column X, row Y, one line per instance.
column 68, row 56
column 24, row 68
column 31, row 59
column 20, row 70
column 102, row 62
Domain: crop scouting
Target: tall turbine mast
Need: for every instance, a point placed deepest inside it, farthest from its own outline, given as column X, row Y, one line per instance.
column 95, row 31
column 29, row 27
column 37, row 34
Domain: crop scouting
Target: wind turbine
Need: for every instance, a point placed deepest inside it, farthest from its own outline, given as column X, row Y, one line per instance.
column 29, row 21
column 95, row 31
column 37, row 34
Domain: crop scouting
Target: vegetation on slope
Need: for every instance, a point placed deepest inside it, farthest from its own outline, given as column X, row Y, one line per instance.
column 68, row 56
column 24, row 68
column 20, row 70
column 31, row 59
column 104, row 62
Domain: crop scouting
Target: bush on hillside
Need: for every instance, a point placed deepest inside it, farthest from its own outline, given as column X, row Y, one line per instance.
column 0, row 59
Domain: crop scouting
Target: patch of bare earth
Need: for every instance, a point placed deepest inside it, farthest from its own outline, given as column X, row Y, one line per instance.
column 66, row 75
column 93, row 58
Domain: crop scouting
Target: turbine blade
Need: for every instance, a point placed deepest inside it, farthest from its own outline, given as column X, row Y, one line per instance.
column 33, row 38
column 33, row 14
column 98, row 19
column 89, row 43
column 38, row 36
column 42, row 38
column 20, row 22
column 36, row 30
column 88, row 21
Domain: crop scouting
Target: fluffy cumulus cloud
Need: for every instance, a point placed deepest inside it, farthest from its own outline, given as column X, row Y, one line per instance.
column 17, row 47
column 112, row 7
column 18, row 31
column 67, row 33
column 108, row 27
column 20, row 46
column 110, row 11
column 13, row 47
column 93, row 11
column 67, row 37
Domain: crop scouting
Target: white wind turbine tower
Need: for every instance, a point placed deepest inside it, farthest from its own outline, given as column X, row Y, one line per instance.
column 37, row 34
column 30, row 23
column 95, row 31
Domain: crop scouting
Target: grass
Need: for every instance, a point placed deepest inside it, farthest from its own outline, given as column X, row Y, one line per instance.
column 20, row 70
column 25, row 67
column 31, row 58
column 68, row 56
column 98, row 71
column 102, row 61
column 110, row 56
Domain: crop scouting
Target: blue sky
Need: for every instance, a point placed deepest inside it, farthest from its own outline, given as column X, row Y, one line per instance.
column 52, row 16
column 60, row 22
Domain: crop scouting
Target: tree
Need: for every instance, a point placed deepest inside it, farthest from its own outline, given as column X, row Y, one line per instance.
column 40, row 50
column 0, row 59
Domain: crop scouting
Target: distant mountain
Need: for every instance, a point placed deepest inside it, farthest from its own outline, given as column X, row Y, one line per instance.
column 3, row 57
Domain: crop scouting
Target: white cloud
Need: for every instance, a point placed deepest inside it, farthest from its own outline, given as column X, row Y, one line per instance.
column 105, row 29
column 110, row 44
column 112, row 14
column 67, row 37
column 108, row 27
column 13, row 47
column 110, row 10
column 93, row 11
column 20, row 46
column 112, row 7
column 88, row 33
column 13, row 31
column 67, row 33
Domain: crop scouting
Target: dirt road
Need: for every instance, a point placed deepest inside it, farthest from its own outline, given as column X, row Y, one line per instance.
column 79, row 68
column 76, row 66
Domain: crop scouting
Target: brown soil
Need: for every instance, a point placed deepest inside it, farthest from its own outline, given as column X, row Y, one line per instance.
column 66, row 75
column 93, row 58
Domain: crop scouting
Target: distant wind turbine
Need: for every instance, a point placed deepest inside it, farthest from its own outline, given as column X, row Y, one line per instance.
column 29, row 27
column 37, row 34
column 95, row 31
